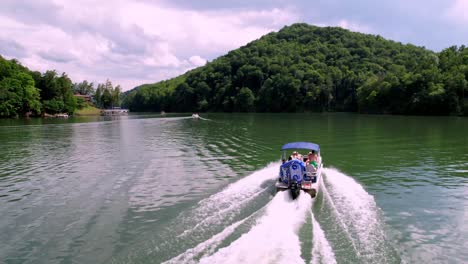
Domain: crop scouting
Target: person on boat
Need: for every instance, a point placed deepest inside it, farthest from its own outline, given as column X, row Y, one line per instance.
column 297, row 155
column 313, row 158
column 294, row 155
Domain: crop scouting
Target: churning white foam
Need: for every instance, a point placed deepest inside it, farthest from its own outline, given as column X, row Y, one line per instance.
column 321, row 250
column 206, row 247
column 222, row 207
column 273, row 239
column 358, row 215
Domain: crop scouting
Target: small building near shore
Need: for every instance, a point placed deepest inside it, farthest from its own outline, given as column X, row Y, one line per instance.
column 85, row 97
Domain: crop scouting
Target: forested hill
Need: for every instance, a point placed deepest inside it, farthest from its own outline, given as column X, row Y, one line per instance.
column 309, row 68
column 31, row 93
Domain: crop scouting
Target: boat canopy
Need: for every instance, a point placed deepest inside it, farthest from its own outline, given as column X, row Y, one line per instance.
column 301, row 145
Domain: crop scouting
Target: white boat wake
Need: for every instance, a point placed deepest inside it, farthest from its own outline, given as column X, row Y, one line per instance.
column 271, row 234
column 321, row 250
column 358, row 217
column 224, row 206
column 272, row 239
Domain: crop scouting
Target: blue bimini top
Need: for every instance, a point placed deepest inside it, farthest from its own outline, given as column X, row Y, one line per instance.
column 301, row 145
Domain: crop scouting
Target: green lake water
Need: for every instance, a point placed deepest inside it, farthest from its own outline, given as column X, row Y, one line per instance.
column 147, row 189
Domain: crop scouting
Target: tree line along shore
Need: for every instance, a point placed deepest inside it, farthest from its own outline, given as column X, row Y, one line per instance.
column 31, row 93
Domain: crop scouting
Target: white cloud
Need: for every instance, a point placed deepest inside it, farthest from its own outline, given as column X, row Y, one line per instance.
column 354, row 26
column 458, row 12
column 197, row 61
column 129, row 42
column 209, row 30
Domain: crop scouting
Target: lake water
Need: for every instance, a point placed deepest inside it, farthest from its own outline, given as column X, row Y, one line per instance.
column 146, row 189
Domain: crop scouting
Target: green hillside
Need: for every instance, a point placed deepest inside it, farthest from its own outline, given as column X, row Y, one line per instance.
column 309, row 68
column 26, row 93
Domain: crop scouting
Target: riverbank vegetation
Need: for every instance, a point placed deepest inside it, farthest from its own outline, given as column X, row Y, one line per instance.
column 88, row 110
column 32, row 93
column 308, row 68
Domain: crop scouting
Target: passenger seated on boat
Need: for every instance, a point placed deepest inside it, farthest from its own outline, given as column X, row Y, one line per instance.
column 294, row 155
column 312, row 155
column 297, row 155
column 313, row 158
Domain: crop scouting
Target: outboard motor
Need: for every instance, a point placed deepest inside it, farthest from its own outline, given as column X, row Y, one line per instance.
column 295, row 189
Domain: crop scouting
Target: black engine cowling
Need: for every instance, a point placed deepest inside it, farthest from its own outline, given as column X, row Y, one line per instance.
column 295, row 189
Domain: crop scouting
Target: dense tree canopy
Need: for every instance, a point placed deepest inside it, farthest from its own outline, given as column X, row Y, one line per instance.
column 308, row 68
column 24, row 92
column 84, row 88
column 107, row 96
column 17, row 92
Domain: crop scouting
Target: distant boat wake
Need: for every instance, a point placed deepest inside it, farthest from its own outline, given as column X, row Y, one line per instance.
column 201, row 118
column 342, row 223
column 196, row 117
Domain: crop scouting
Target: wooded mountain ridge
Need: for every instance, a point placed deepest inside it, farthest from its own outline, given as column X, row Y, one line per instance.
column 308, row 68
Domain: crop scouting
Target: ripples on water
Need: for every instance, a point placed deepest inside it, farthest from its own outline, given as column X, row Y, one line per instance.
column 147, row 189
column 65, row 187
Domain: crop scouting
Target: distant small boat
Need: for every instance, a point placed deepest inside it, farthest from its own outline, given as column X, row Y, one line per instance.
column 195, row 115
column 115, row 111
column 62, row 115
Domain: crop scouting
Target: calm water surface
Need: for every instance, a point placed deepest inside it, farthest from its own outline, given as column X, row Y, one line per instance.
column 146, row 189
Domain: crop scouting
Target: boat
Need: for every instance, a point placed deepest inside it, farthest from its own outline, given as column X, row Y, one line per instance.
column 60, row 115
column 295, row 175
column 114, row 111
column 195, row 115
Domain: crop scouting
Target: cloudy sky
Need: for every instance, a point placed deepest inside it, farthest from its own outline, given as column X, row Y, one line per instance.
column 132, row 42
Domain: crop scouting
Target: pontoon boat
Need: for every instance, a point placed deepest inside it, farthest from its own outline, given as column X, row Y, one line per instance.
column 296, row 174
